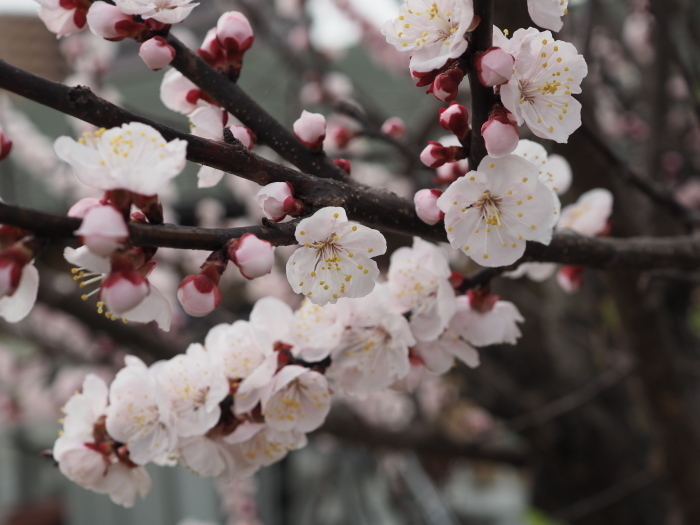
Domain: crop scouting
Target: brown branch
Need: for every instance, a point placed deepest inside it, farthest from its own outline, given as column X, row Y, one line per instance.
column 348, row 427
column 268, row 130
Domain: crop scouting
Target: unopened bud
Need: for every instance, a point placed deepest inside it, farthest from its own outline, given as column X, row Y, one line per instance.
column 495, row 67
column 254, row 257
column 277, row 201
column 343, row 164
column 156, row 53
column 123, row 290
column 435, row 154
column 500, row 135
column 423, row 79
column 211, row 51
column 310, row 128
column 394, row 127
column 455, row 118
column 446, row 85
column 199, row 294
column 103, row 229
column 234, row 32
column 244, row 135
column 426, row 206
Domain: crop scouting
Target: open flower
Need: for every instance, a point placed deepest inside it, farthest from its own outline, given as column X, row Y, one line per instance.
column 589, row 214
column 63, row 17
column 165, row 11
column 433, row 32
column 548, row 13
column 547, row 73
column 336, row 257
column 133, row 157
column 491, row 212
column 555, row 171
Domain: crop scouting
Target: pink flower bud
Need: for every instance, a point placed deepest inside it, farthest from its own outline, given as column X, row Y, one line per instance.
column 80, row 208
column 11, row 264
column 446, row 85
column 435, row 154
column 340, row 136
column 254, row 257
column 245, row 135
column 500, row 136
column 426, row 206
column 310, row 128
column 455, row 118
column 123, row 290
column 109, row 22
column 423, row 79
column 234, row 32
column 277, row 201
column 570, row 278
column 343, row 164
column 5, row 145
column 451, row 171
column 199, row 295
column 394, row 127
column 495, row 67
column 103, row 230
column 211, row 51
column 156, row 53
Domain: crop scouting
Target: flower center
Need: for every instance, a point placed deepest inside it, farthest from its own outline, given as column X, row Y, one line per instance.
column 489, row 209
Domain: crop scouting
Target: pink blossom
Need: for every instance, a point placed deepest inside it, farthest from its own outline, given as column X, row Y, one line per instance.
column 451, row 171
column 277, row 200
column 254, row 257
column 156, row 53
column 445, row 87
column 63, row 17
column 80, row 208
column 426, row 206
column 109, row 22
column 234, row 32
column 103, row 229
column 310, row 128
column 500, row 136
column 435, row 154
column 495, row 67
column 123, row 290
column 394, row 127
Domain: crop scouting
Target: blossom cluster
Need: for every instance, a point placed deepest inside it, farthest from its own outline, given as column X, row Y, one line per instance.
column 255, row 388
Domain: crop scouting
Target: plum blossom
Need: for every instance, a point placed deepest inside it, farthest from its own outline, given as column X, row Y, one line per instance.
column 165, row 11
column 418, row 281
column 254, row 257
column 483, row 320
column 156, row 53
column 433, row 32
column 298, row 399
column 438, row 356
column 16, row 306
column 138, row 414
column 315, row 331
column 555, row 171
column 85, row 453
column 494, row 66
column 336, row 257
column 180, row 94
column 133, row 157
column 310, row 128
column 103, row 229
column 548, row 13
column 194, row 387
column 63, row 17
column 491, row 212
column 589, row 214
column 373, row 352
column 154, row 307
column 426, row 206
column 547, row 73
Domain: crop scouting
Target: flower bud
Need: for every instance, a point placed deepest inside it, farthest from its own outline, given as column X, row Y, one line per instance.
column 199, row 294
column 570, row 278
column 211, row 51
column 80, row 208
column 455, row 118
column 501, row 136
column 435, row 154
column 156, row 53
column 109, row 22
column 343, row 164
column 244, row 135
column 446, row 85
column 12, row 262
column 5, row 145
column 423, row 79
column 123, row 290
column 495, row 67
column 234, row 32
column 310, row 128
column 277, row 201
column 426, row 206
column 394, row 127
column 103, row 230
column 339, row 136
column 254, row 257
column 451, row 171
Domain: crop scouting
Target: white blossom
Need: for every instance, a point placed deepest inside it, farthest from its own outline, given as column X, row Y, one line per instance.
column 165, row 11
column 15, row 307
column 434, row 32
column 555, row 171
column 494, row 324
column 548, row 13
column 589, row 214
column 315, row 331
column 418, row 281
column 335, row 259
column 490, row 213
column 547, row 73
column 438, row 356
column 133, row 157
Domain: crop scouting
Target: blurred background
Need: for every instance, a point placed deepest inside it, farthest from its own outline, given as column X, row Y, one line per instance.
column 556, row 429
